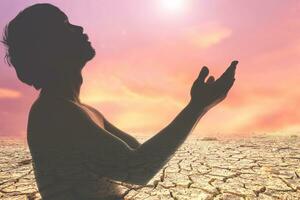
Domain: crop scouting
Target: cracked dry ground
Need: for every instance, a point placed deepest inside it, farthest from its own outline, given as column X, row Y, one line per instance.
column 253, row 168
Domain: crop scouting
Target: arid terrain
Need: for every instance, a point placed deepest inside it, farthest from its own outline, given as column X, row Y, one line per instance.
column 261, row 167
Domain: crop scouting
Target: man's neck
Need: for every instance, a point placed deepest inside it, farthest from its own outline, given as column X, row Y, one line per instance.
column 67, row 87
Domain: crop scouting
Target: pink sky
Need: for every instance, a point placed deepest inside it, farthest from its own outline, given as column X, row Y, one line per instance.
column 148, row 57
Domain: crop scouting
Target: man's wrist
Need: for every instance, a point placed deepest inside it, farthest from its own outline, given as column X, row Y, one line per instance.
column 196, row 109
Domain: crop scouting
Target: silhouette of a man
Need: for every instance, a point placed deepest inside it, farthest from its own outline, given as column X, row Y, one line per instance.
column 77, row 153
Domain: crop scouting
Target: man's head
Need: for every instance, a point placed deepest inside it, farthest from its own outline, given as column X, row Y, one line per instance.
column 42, row 44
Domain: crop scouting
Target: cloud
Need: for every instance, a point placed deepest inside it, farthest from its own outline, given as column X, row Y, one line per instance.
column 132, row 108
column 9, row 94
column 243, row 96
column 280, row 117
column 208, row 35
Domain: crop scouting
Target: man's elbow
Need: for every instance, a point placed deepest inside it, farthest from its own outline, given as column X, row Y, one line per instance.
column 137, row 145
column 141, row 180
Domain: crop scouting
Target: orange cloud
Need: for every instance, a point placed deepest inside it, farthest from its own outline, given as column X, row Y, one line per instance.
column 208, row 35
column 137, row 107
column 282, row 116
column 9, row 94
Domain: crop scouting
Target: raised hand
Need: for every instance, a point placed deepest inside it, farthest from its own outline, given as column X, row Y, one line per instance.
column 205, row 95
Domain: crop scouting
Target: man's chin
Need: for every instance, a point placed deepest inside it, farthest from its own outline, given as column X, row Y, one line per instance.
column 90, row 54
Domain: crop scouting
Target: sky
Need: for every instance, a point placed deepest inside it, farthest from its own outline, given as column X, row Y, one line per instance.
column 149, row 52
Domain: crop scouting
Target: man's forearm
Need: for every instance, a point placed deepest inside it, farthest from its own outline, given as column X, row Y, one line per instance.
column 156, row 151
column 173, row 135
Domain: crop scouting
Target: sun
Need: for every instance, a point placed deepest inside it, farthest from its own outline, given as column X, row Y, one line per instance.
column 174, row 6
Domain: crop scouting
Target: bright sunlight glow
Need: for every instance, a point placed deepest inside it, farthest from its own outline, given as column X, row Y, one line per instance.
column 174, row 6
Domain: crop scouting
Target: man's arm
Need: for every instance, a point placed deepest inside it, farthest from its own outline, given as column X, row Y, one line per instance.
column 156, row 151
column 108, row 156
column 111, row 157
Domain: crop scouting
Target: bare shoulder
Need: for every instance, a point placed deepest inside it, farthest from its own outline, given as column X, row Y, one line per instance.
column 59, row 115
column 68, row 112
column 53, row 120
column 54, row 107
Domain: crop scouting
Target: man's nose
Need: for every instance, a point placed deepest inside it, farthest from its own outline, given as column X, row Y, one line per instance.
column 77, row 28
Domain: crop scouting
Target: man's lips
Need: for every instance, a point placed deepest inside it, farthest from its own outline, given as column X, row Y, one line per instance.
column 85, row 37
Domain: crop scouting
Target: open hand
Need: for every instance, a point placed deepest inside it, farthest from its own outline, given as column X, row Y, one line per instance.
column 205, row 95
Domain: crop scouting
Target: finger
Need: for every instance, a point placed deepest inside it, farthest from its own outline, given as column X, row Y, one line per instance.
column 230, row 71
column 210, row 80
column 233, row 65
column 203, row 74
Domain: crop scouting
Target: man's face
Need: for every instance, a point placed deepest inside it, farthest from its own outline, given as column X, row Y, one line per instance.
column 79, row 44
column 67, row 42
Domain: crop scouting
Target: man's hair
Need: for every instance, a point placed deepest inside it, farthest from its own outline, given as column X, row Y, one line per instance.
column 21, row 37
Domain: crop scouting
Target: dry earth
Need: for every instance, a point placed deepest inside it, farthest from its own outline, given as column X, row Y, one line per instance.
column 254, row 168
